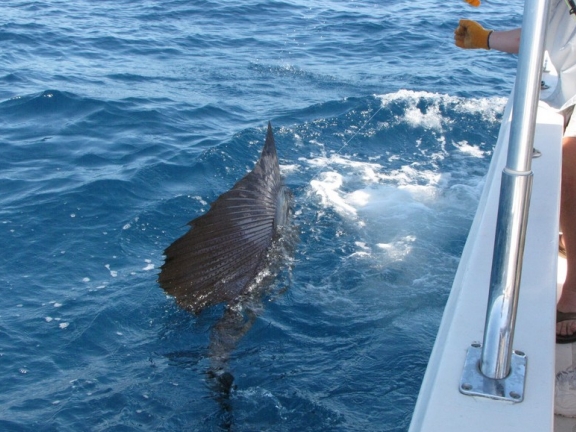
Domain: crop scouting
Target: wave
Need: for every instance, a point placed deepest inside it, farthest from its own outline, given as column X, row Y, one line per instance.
column 395, row 167
column 384, row 185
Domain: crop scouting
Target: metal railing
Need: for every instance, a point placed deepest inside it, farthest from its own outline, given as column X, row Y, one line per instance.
column 494, row 369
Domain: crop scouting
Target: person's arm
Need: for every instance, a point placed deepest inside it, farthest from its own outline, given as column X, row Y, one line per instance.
column 471, row 35
column 506, row 41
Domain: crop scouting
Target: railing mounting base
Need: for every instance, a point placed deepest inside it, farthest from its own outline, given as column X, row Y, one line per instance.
column 474, row 383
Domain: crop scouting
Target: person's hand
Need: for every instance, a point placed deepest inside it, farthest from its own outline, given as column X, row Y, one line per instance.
column 474, row 3
column 471, row 35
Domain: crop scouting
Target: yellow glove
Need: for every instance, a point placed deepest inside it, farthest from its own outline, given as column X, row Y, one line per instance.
column 474, row 3
column 471, row 35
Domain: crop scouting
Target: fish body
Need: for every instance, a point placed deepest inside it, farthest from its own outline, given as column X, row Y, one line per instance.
column 220, row 257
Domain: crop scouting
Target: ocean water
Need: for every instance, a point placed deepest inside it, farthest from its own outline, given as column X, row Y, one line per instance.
column 120, row 121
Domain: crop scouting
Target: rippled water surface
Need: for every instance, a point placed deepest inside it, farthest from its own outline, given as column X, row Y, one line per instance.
column 120, row 121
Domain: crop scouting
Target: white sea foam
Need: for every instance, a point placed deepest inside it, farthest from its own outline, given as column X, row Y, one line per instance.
column 432, row 117
column 366, row 170
column 370, row 194
column 200, row 199
column 289, row 168
column 328, row 188
column 113, row 273
column 399, row 248
column 376, row 185
column 362, row 250
column 470, row 150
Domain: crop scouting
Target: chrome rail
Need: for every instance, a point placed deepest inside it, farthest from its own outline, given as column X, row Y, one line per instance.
column 490, row 366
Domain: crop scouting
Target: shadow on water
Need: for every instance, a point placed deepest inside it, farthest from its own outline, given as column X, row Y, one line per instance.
column 236, row 320
column 224, row 337
column 239, row 317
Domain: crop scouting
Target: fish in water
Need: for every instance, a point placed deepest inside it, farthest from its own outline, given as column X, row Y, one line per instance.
column 219, row 258
column 231, row 255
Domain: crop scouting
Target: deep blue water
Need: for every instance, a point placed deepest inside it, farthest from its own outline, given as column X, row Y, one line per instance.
column 122, row 120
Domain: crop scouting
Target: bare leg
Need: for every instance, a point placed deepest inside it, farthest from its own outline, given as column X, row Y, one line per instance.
column 567, row 301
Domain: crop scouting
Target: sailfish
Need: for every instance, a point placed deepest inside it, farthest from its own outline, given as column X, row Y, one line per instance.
column 219, row 258
column 230, row 252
